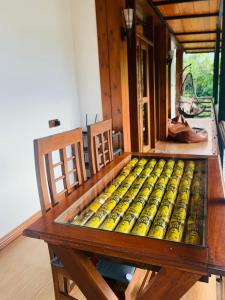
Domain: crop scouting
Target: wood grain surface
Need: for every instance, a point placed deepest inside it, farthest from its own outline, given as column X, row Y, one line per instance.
column 32, row 279
column 122, row 247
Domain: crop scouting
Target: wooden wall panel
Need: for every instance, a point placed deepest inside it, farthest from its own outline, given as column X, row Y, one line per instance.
column 113, row 66
column 114, row 18
column 119, row 93
column 101, row 13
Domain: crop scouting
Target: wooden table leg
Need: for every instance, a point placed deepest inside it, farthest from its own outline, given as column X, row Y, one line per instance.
column 137, row 284
column 84, row 273
column 58, row 280
column 169, row 283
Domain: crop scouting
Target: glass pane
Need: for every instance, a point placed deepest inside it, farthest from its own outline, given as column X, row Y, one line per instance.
column 145, row 125
column 172, row 205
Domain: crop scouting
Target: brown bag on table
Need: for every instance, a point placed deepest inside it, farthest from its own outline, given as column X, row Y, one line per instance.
column 179, row 130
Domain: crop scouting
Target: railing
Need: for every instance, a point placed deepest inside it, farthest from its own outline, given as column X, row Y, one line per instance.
column 202, row 101
column 207, row 102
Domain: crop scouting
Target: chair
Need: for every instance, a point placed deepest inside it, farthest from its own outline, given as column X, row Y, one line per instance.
column 100, row 152
column 60, row 169
column 58, row 158
column 100, row 149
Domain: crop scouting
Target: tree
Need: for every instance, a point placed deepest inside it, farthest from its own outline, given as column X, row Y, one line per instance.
column 202, row 71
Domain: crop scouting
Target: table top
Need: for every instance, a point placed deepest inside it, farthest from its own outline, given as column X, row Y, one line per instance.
column 140, row 251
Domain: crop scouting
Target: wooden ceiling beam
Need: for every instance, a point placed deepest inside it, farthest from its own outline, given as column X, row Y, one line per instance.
column 158, row 13
column 192, row 16
column 200, row 49
column 195, row 32
column 198, row 41
column 169, row 2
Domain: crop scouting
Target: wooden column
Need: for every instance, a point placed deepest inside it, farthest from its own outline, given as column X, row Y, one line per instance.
column 169, row 77
column 150, row 35
column 179, row 68
column 152, row 97
column 216, row 67
column 113, row 66
column 157, row 74
column 125, row 98
column 162, row 91
column 132, row 69
column 222, row 72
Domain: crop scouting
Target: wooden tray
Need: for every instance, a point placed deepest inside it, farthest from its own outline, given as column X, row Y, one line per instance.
column 75, row 209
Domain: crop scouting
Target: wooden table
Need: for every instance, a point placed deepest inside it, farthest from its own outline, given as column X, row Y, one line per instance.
column 180, row 265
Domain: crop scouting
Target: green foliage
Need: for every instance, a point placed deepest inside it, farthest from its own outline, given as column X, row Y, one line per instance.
column 202, row 71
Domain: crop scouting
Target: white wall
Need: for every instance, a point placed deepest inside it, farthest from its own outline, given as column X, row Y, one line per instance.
column 87, row 63
column 39, row 59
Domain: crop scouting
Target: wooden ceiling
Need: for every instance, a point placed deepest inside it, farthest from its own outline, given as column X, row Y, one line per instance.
column 193, row 22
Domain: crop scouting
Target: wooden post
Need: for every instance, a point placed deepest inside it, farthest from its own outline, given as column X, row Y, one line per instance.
column 125, row 98
column 179, row 68
column 216, row 67
column 152, row 97
column 132, row 71
column 222, row 72
column 169, row 77
column 162, row 90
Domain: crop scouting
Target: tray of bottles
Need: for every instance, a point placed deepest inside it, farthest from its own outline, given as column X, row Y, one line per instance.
column 159, row 198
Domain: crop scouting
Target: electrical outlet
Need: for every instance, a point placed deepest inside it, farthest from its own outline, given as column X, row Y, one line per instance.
column 54, row 123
